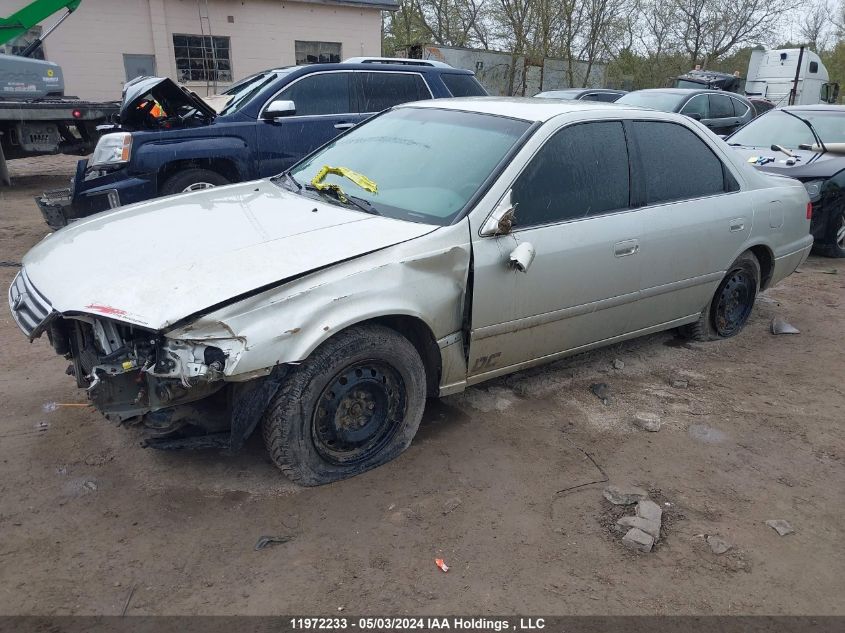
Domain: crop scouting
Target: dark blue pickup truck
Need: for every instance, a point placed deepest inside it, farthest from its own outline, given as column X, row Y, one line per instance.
column 169, row 140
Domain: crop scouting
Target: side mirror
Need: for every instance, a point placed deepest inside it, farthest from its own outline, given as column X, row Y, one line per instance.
column 500, row 221
column 279, row 108
column 695, row 116
column 521, row 257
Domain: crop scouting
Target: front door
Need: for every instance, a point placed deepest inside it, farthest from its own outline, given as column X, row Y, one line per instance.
column 325, row 107
column 573, row 206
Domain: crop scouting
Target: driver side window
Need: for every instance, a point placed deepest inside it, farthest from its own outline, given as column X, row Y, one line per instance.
column 324, row 93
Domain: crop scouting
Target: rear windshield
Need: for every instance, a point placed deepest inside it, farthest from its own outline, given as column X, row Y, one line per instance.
column 463, row 86
column 664, row 101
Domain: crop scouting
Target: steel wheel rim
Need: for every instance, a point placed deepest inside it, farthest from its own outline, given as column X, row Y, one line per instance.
column 735, row 300
column 198, row 186
column 358, row 412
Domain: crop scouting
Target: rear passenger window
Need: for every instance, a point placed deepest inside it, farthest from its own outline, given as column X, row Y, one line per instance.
column 675, row 164
column 463, row 86
column 697, row 105
column 324, row 93
column 721, row 107
column 385, row 90
column 581, row 171
column 740, row 109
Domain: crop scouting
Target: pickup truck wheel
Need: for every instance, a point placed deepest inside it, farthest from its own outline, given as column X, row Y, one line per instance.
column 354, row 404
column 731, row 305
column 192, row 180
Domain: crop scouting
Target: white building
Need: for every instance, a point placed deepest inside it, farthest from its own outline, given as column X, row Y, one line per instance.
column 106, row 42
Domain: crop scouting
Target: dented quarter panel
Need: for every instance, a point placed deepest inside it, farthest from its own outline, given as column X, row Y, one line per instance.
column 425, row 278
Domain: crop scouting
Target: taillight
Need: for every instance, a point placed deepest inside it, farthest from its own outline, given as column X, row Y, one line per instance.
column 77, row 114
column 809, row 210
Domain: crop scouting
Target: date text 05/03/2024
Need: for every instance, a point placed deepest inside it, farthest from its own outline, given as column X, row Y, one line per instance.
column 418, row 623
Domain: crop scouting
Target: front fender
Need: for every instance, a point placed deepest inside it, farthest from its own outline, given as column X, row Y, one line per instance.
column 424, row 278
column 151, row 156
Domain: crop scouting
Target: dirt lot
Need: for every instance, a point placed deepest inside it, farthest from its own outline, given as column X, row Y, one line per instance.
column 86, row 515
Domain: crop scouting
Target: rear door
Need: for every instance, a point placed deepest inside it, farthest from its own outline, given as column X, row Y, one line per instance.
column 723, row 119
column 380, row 90
column 695, row 217
column 573, row 206
column 325, row 106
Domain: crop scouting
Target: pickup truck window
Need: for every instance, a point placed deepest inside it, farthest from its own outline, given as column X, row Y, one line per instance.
column 581, row 171
column 320, row 93
column 383, row 90
column 426, row 163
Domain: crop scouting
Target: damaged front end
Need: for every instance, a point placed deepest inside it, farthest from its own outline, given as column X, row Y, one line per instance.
column 175, row 389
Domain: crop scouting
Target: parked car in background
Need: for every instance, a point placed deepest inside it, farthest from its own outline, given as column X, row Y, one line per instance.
column 722, row 112
column 761, row 106
column 807, row 143
column 170, row 140
column 437, row 246
column 583, row 94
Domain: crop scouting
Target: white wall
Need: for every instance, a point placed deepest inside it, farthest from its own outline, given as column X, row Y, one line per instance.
column 90, row 44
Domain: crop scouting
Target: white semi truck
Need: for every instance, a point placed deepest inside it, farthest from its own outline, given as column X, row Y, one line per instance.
column 784, row 76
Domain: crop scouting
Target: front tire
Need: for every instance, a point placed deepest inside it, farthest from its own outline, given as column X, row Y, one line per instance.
column 731, row 305
column 835, row 246
column 193, row 179
column 354, row 404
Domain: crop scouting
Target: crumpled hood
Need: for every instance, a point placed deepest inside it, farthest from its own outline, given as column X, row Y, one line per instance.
column 810, row 165
column 157, row 262
column 172, row 98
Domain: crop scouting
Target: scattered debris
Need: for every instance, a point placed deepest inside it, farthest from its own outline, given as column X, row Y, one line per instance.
column 781, row 326
column 42, row 426
column 341, row 608
column 441, row 564
column 624, row 495
column 128, row 599
column 618, row 364
column 718, row 545
column 652, row 528
column 90, row 485
column 638, row 540
column 647, row 509
column 706, row 434
column 679, row 383
column 602, row 392
column 49, row 407
column 451, row 505
column 267, row 541
column 647, row 421
column 780, row 526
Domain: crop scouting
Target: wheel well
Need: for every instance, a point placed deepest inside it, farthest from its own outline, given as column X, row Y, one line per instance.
column 416, row 331
column 767, row 264
column 222, row 166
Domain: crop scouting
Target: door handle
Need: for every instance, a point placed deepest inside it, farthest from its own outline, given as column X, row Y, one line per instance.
column 628, row 247
column 737, row 224
column 343, row 126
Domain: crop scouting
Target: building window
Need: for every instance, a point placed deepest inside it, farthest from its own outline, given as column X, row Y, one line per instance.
column 317, row 52
column 17, row 45
column 198, row 60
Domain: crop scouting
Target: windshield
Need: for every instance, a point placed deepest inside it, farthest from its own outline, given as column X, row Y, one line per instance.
column 240, row 94
column 664, row 101
column 425, row 163
column 776, row 126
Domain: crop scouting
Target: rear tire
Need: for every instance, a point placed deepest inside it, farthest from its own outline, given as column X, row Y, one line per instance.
column 731, row 305
column 193, row 179
column 355, row 403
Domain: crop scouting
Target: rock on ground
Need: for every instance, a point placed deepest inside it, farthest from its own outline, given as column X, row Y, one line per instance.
column 718, row 545
column 638, row 540
column 780, row 526
column 652, row 528
column 647, row 421
column 647, row 509
column 624, row 495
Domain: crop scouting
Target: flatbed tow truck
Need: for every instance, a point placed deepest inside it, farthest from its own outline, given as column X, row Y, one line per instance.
column 36, row 117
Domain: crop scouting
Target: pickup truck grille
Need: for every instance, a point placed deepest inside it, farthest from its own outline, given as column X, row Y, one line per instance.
column 29, row 307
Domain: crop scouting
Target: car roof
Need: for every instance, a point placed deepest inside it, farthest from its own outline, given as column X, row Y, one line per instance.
column 382, row 66
column 819, row 107
column 526, row 108
column 687, row 91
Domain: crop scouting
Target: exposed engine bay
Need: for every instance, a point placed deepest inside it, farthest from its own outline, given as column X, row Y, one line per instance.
column 137, row 376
